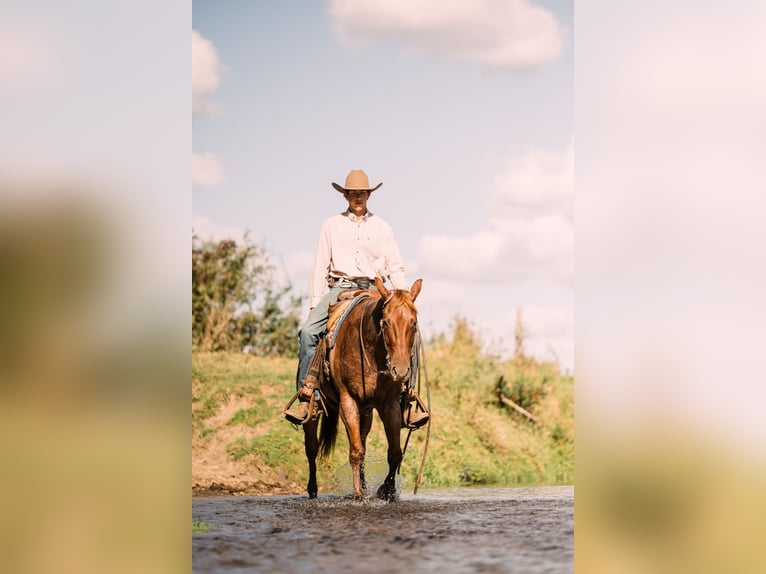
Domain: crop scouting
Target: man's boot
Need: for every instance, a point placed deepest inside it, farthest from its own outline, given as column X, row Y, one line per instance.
column 299, row 414
column 413, row 418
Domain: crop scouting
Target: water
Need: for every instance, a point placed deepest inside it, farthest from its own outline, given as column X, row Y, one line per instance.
column 375, row 472
column 519, row 530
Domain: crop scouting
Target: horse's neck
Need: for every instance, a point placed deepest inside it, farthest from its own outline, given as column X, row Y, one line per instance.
column 372, row 313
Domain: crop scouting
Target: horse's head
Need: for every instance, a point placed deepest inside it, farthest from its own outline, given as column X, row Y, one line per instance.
column 399, row 326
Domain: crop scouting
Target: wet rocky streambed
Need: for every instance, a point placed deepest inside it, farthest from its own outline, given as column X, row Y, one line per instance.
column 519, row 530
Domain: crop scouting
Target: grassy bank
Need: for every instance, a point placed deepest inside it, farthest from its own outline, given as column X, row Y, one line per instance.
column 241, row 442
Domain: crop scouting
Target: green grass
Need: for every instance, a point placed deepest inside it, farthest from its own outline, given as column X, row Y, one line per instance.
column 201, row 527
column 474, row 439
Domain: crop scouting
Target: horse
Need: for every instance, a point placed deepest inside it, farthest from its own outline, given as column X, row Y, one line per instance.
column 369, row 368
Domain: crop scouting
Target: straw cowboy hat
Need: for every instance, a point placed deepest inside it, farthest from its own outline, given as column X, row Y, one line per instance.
column 356, row 180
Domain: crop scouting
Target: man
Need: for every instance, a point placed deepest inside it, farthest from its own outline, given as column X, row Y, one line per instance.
column 354, row 247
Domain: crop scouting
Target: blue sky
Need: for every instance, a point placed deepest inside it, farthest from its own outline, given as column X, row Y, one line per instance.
column 463, row 110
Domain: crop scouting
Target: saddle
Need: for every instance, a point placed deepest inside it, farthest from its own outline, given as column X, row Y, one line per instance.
column 338, row 311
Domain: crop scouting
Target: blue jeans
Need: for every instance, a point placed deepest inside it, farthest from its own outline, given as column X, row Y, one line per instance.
column 312, row 330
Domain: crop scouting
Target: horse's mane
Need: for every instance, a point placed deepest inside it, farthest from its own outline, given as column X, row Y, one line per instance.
column 400, row 297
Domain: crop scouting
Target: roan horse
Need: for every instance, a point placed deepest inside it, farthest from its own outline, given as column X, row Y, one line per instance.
column 370, row 366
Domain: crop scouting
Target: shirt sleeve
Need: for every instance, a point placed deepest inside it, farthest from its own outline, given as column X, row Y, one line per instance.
column 321, row 266
column 394, row 263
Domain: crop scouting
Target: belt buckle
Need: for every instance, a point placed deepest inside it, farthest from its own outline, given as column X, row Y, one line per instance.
column 363, row 283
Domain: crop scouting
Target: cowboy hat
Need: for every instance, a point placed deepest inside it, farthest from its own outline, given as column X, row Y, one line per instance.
column 356, row 180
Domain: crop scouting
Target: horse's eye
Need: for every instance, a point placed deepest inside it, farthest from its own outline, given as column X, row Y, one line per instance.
column 415, row 326
column 384, row 324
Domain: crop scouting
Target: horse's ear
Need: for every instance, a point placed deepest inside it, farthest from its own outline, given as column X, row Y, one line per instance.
column 381, row 288
column 415, row 289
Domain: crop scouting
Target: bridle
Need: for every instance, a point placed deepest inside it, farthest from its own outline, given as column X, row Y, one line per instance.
column 383, row 328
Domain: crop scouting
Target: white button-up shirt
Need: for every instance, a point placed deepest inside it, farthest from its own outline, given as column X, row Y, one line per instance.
column 351, row 246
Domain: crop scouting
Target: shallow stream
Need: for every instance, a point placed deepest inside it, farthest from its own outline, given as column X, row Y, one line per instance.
column 517, row 529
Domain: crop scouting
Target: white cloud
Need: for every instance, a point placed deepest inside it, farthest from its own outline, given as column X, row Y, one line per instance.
column 456, row 256
column 206, row 73
column 540, row 248
column 439, row 303
column 530, row 232
column 207, row 230
column 497, row 33
column 206, row 170
column 535, row 182
column 437, row 295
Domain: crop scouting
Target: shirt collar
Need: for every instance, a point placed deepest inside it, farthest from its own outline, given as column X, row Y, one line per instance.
column 348, row 213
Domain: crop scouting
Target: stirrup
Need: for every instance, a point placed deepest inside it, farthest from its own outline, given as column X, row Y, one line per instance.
column 315, row 409
column 421, row 418
column 409, row 409
column 414, row 397
column 289, row 417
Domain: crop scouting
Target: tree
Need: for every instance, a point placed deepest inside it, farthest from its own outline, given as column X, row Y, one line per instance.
column 272, row 331
column 234, row 304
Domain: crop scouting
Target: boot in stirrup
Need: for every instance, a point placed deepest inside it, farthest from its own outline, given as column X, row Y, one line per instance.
column 305, row 410
column 413, row 418
column 299, row 414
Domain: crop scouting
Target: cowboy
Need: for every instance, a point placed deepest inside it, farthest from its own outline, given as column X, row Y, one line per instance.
column 354, row 247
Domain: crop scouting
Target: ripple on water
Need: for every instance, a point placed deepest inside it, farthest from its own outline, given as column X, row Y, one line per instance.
column 520, row 529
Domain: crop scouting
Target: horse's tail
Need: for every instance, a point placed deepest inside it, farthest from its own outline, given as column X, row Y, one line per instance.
column 328, row 431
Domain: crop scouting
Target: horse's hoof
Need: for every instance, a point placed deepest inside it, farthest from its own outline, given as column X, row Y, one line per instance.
column 386, row 493
column 312, row 494
column 389, row 497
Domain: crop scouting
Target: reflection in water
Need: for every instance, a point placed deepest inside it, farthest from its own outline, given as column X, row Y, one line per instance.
column 527, row 529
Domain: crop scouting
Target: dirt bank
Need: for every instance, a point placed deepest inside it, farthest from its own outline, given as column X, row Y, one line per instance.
column 215, row 473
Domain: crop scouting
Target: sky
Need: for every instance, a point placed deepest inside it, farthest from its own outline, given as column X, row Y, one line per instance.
column 467, row 120
column 463, row 110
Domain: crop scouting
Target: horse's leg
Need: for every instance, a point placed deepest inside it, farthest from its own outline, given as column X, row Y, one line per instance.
column 312, row 448
column 392, row 423
column 349, row 412
column 366, row 425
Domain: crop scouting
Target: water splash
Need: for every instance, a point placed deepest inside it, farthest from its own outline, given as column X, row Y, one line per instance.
column 375, row 470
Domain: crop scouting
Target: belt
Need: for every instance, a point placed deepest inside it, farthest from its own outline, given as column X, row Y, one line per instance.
column 349, row 283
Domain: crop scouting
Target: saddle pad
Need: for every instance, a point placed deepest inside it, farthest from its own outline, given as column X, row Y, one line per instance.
column 338, row 313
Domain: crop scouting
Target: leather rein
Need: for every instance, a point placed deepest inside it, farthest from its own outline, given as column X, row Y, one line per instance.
column 363, row 353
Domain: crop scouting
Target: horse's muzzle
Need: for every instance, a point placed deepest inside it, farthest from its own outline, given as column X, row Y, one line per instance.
column 399, row 374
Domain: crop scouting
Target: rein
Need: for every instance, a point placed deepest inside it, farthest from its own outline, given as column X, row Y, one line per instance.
column 421, row 364
column 420, row 360
column 363, row 353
